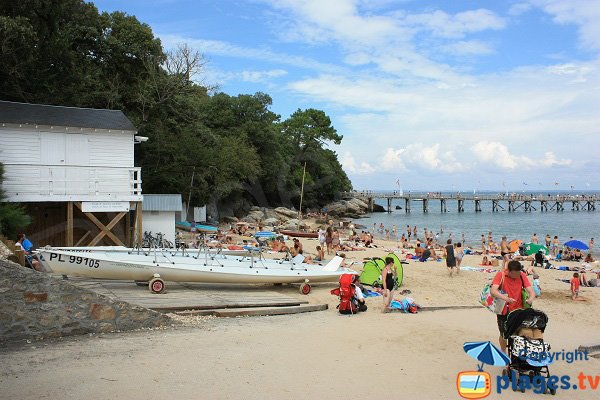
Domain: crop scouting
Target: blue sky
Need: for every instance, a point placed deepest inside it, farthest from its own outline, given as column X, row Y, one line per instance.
column 431, row 94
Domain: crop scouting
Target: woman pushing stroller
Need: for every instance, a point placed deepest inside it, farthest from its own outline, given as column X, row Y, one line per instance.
column 507, row 286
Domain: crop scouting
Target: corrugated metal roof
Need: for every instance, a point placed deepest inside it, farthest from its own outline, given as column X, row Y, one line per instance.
column 161, row 202
column 43, row 114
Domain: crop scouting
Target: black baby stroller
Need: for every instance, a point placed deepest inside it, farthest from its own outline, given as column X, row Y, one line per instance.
column 529, row 354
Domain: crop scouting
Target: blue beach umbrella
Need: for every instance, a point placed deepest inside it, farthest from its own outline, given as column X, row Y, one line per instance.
column 265, row 234
column 486, row 353
column 576, row 244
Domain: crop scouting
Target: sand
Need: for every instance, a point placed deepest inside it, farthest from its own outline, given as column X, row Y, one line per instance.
column 320, row 355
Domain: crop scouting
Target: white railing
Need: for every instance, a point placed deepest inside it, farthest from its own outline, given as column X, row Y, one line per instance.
column 29, row 183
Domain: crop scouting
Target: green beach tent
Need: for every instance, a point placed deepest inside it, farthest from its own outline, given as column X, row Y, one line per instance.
column 371, row 273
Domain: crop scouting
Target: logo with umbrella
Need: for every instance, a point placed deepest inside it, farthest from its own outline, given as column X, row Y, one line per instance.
column 478, row 384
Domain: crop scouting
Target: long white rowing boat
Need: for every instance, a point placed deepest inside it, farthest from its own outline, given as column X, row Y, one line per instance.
column 158, row 267
column 227, row 250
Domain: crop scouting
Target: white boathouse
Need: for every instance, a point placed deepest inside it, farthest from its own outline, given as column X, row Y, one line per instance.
column 73, row 170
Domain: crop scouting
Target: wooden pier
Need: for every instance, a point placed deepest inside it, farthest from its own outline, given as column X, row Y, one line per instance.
column 500, row 202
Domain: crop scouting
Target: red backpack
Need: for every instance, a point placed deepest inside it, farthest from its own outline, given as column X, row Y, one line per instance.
column 346, row 294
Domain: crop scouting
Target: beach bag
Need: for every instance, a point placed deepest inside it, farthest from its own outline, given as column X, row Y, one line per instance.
column 490, row 302
column 524, row 295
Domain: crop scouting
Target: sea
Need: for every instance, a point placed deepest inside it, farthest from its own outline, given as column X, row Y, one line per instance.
column 581, row 225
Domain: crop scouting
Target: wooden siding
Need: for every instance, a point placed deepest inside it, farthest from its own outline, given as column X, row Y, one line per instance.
column 68, row 164
column 111, row 150
column 16, row 147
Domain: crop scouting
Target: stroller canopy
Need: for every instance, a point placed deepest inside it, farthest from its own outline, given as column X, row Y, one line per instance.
column 529, row 318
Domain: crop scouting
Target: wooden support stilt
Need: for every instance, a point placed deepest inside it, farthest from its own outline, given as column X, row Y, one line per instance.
column 69, row 223
column 138, row 222
column 128, row 227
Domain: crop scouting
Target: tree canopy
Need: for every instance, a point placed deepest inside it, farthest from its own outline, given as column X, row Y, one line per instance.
column 64, row 52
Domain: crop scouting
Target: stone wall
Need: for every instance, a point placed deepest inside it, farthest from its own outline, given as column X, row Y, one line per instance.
column 36, row 305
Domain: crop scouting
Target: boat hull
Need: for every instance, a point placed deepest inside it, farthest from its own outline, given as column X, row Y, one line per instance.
column 301, row 234
column 144, row 268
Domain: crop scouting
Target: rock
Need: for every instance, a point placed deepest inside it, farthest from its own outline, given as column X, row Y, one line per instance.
column 254, row 208
column 254, row 216
column 347, row 208
column 230, row 218
column 294, row 224
column 286, row 212
column 102, row 312
column 271, row 221
column 378, row 208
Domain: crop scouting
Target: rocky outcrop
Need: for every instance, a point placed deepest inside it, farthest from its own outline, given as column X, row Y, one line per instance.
column 294, row 224
column 378, row 208
column 347, row 208
column 285, row 213
column 36, row 305
column 269, row 217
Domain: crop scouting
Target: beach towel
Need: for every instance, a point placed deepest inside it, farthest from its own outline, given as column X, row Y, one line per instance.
column 407, row 305
column 370, row 293
column 478, row 269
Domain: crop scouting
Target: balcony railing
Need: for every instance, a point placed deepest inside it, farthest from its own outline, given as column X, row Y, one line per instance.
column 28, row 183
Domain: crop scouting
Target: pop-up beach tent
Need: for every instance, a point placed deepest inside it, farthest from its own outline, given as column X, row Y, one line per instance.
column 371, row 273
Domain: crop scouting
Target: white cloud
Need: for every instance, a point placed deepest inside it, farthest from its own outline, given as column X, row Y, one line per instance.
column 261, row 76
column 221, row 48
column 497, row 154
column 350, row 165
column 468, row 47
column 421, row 156
column 519, row 9
column 583, row 13
column 458, row 25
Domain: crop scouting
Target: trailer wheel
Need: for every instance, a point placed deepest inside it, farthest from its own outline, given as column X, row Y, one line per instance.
column 305, row 288
column 157, row 286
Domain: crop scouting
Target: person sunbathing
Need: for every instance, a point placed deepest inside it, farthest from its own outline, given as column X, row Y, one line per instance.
column 485, row 261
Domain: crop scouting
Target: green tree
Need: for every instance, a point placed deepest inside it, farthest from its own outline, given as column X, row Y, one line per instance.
column 65, row 52
column 306, row 132
column 12, row 216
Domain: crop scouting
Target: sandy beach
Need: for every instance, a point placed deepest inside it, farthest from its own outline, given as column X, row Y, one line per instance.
column 314, row 355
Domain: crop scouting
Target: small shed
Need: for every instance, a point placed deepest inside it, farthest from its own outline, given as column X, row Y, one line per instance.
column 158, row 214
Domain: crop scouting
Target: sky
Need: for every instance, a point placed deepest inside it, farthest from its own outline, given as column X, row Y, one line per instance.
column 428, row 95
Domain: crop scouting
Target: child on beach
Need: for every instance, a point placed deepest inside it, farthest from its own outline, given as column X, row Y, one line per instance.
column 536, row 285
column 575, row 288
column 458, row 254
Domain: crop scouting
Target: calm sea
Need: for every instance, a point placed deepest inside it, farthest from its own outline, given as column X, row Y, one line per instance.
column 519, row 224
